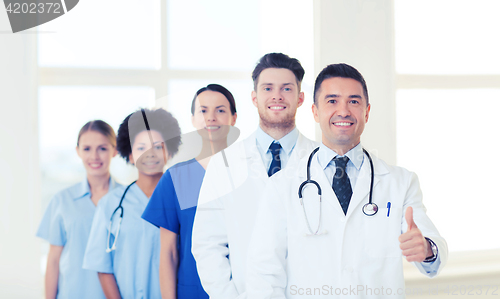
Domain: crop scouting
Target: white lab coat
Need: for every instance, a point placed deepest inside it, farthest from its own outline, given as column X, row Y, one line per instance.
column 356, row 257
column 226, row 212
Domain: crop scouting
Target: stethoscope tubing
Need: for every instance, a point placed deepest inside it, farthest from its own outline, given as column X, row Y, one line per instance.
column 120, row 207
column 372, row 176
column 309, row 181
column 368, row 209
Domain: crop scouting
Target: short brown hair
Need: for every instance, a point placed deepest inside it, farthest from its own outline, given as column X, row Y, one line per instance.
column 341, row 70
column 278, row 61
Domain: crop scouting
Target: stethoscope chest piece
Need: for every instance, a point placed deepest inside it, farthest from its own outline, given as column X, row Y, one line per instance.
column 370, row 209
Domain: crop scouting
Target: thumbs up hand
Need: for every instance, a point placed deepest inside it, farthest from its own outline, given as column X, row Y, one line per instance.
column 415, row 247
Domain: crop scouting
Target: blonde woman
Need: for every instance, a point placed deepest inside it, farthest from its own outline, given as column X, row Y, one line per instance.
column 68, row 218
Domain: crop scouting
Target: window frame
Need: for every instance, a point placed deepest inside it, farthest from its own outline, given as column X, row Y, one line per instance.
column 155, row 79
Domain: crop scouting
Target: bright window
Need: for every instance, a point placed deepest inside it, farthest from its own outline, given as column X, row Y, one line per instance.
column 450, row 37
column 446, row 127
column 447, row 137
column 210, row 36
column 122, row 34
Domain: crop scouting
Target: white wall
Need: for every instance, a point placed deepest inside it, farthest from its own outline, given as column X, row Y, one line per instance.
column 360, row 33
column 19, row 176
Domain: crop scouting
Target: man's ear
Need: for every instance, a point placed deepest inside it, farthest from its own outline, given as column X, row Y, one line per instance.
column 301, row 99
column 131, row 159
column 254, row 98
column 367, row 112
column 315, row 112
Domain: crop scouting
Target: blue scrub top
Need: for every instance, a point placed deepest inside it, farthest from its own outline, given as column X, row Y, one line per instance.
column 135, row 262
column 67, row 222
column 173, row 207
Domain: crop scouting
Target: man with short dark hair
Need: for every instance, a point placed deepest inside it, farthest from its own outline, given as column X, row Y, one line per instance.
column 234, row 179
column 325, row 233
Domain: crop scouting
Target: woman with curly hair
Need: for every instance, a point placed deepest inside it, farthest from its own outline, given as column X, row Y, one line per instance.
column 122, row 247
column 173, row 204
column 68, row 218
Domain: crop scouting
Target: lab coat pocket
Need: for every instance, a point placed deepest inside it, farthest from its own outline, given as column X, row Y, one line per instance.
column 382, row 231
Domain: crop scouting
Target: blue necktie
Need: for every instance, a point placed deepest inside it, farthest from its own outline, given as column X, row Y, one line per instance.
column 341, row 183
column 276, row 162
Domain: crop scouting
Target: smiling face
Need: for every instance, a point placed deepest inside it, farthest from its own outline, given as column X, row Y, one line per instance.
column 342, row 113
column 149, row 158
column 277, row 97
column 96, row 153
column 212, row 116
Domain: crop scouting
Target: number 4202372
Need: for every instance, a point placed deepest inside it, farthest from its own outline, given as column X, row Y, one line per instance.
column 34, row 8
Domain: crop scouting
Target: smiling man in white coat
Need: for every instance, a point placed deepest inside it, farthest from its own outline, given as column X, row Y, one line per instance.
column 342, row 243
column 235, row 177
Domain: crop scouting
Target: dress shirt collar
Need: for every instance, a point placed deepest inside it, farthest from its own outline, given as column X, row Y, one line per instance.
column 287, row 142
column 326, row 155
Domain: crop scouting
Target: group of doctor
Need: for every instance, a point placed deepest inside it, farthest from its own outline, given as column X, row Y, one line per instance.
column 231, row 221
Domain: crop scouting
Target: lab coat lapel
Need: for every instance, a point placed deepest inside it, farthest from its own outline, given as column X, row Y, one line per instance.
column 300, row 150
column 255, row 166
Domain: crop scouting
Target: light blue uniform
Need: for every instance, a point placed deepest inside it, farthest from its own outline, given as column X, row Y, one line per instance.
column 67, row 222
column 135, row 262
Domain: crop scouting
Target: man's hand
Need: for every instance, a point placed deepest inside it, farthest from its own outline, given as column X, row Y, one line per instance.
column 415, row 247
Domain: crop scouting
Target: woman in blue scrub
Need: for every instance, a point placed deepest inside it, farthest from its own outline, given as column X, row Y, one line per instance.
column 68, row 218
column 125, row 251
column 173, row 204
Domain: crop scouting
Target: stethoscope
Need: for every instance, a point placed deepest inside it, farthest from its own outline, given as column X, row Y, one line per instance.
column 120, row 207
column 369, row 209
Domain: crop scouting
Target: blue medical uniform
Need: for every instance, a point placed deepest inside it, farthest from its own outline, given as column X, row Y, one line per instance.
column 173, row 207
column 135, row 262
column 67, row 222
